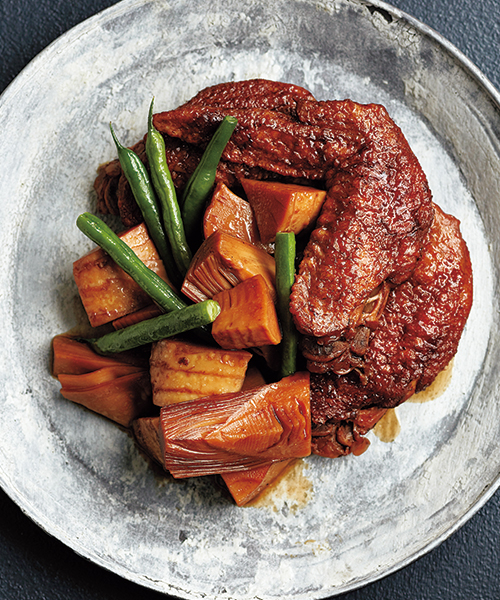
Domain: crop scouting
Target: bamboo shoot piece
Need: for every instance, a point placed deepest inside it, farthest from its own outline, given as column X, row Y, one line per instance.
column 222, row 262
column 148, row 312
column 117, row 388
column 146, row 430
column 182, row 370
column 111, row 392
column 253, row 379
column 106, row 291
column 282, row 206
column 248, row 316
column 231, row 214
column 73, row 357
column 245, row 486
column 235, row 432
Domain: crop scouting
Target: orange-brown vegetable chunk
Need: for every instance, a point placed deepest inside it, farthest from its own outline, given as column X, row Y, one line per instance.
column 245, row 486
column 182, row 370
column 231, row 214
column 148, row 312
column 248, row 316
column 106, row 291
column 111, row 392
column 73, row 357
column 234, row 432
column 282, row 206
column 223, row 261
column 145, row 430
column 115, row 387
column 253, row 379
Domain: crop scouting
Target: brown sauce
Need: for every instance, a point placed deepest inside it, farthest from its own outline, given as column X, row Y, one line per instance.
column 437, row 387
column 292, row 488
column 388, row 428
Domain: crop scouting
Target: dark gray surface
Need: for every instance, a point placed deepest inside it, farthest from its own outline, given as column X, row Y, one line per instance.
column 34, row 565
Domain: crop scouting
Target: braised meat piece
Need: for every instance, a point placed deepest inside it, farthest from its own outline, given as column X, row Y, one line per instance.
column 417, row 336
column 372, row 225
column 112, row 190
column 378, row 209
column 252, row 93
column 265, row 139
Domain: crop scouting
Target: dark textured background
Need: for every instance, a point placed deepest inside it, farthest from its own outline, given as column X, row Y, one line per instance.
column 34, row 565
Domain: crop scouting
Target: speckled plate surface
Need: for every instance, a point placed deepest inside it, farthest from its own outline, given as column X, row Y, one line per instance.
column 332, row 525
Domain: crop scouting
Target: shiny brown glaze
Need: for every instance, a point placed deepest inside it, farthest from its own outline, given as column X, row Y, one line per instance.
column 252, row 93
column 417, row 335
column 113, row 192
column 372, row 225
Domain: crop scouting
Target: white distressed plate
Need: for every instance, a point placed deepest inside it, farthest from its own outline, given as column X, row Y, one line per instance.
column 342, row 523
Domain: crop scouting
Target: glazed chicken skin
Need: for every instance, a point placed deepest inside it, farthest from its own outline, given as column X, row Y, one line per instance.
column 384, row 288
column 372, row 225
column 417, row 335
column 273, row 98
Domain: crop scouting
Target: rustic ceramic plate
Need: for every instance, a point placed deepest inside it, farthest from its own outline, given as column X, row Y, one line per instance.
column 333, row 525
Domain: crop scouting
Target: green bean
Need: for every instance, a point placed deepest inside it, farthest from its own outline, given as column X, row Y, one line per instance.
column 285, row 275
column 201, row 181
column 138, row 179
column 95, row 229
column 158, row 328
column 167, row 198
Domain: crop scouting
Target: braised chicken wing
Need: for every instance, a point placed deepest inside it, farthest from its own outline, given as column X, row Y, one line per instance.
column 417, row 336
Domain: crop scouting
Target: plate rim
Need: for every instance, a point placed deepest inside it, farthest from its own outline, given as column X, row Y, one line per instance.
column 124, row 6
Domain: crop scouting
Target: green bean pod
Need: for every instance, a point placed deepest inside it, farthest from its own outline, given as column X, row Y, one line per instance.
column 202, row 180
column 158, row 328
column 138, row 179
column 167, row 197
column 95, row 229
column 285, row 275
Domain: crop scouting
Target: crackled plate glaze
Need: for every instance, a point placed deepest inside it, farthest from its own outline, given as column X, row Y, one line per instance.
column 331, row 526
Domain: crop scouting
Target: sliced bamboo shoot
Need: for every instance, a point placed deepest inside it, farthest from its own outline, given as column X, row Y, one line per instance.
column 234, row 432
column 282, row 206
column 74, row 357
column 146, row 431
column 106, row 291
column 182, row 370
column 83, row 381
column 121, row 399
column 248, row 316
column 245, row 486
column 231, row 214
column 253, row 379
column 148, row 312
column 222, row 262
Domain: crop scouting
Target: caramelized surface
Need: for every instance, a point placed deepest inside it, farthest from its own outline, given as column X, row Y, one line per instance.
column 417, row 336
column 234, row 432
column 373, row 224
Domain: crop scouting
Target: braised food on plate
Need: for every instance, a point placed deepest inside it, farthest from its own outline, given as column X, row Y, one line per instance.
column 281, row 279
